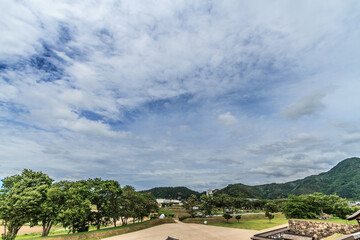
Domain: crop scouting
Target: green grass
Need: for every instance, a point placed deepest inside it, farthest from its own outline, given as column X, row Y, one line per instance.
column 334, row 236
column 255, row 222
column 260, row 222
column 99, row 234
column 335, row 220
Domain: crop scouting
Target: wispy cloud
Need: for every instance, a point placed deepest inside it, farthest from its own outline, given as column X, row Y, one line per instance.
column 119, row 89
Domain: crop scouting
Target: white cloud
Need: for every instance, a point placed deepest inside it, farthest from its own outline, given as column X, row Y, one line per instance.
column 157, row 79
column 227, row 119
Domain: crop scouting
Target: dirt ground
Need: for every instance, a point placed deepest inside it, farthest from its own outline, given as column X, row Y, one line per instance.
column 25, row 230
column 190, row 231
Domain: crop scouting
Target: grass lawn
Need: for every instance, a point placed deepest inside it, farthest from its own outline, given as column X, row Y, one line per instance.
column 253, row 222
column 99, row 234
column 333, row 236
column 335, row 220
column 260, row 222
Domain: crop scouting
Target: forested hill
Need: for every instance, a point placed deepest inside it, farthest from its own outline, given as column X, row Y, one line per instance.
column 171, row 192
column 343, row 180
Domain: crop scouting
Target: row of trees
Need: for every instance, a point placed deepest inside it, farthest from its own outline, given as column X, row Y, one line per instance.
column 33, row 197
column 303, row 206
column 207, row 204
column 315, row 205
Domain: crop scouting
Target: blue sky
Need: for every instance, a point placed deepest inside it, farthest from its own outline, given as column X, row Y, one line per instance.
column 169, row 93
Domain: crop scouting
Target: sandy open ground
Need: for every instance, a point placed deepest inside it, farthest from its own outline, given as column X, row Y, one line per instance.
column 25, row 230
column 190, row 231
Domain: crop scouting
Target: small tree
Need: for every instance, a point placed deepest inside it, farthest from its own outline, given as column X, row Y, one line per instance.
column 227, row 216
column 238, row 217
column 190, row 204
column 271, row 207
column 269, row 216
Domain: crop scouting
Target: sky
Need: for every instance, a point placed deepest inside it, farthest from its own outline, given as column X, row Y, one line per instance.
column 179, row 93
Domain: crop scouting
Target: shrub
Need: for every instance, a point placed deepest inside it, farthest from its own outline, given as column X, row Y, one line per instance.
column 182, row 218
column 227, row 216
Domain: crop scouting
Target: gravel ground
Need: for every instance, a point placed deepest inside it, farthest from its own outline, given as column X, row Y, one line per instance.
column 189, row 231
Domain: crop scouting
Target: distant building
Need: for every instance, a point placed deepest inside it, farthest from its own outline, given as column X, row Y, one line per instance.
column 162, row 201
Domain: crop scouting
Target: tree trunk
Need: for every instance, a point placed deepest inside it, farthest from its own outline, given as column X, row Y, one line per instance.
column 46, row 228
column 98, row 225
column 114, row 220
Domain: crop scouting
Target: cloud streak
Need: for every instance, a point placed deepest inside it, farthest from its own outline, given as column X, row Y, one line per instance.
column 128, row 89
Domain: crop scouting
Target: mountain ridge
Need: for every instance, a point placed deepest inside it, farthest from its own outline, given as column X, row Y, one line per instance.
column 343, row 179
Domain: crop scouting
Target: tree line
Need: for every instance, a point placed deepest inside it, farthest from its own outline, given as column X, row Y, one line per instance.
column 309, row 206
column 33, row 197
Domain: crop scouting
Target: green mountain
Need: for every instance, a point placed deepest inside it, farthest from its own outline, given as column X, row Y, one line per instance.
column 343, row 180
column 171, row 192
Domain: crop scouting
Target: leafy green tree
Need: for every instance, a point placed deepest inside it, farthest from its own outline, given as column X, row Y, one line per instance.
column 207, row 204
column 77, row 207
column 271, row 207
column 127, row 204
column 298, row 207
column 21, row 198
column 269, row 215
column 223, row 201
column 113, row 197
column 238, row 217
column 314, row 205
column 49, row 210
column 104, row 195
column 190, row 204
column 227, row 216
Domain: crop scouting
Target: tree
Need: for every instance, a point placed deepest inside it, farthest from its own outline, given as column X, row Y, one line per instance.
column 207, row 204
column 190, row 204
column 269, row 215
column 21, row 199
column 227, row 216
column 238, row 217
column 77, row 207
column 271, row 207
column 49, row 210
column 113, row 200
column 127, row 204
column 315, row 205
column 104, row 195
column 223, row 201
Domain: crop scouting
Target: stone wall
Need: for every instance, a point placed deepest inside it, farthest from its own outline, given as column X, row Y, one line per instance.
column 320, row 230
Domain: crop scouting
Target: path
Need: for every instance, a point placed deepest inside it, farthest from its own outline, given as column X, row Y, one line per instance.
column 190, row 231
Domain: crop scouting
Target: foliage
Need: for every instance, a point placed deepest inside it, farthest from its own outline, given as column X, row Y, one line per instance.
column 21, row 198
column 190, row 204
column 105, row 196
column 314, row 205
column 207, row 204
column 341, row 180
column 182, row 218
column 238, row 217
column 223, row 201
column 271, row 207
column 227, row 216
column 172, row 192
column 269, row 215
column 77, row 207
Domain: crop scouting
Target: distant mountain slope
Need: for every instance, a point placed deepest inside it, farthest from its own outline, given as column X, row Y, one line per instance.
column 171, row 192
column 343, row 180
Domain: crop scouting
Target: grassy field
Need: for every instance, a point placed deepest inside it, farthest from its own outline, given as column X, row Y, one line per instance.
column 333, row 236
column 335, row 220
column 257, row 222
column 102, row 233
column 254, row 222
